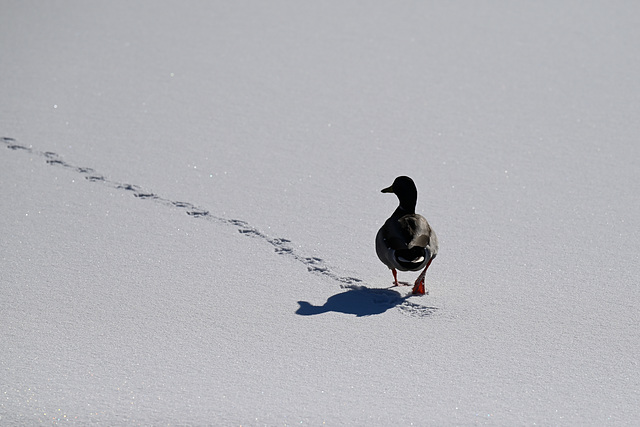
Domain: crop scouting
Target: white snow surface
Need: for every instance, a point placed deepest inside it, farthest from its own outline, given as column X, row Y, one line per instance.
column 190, row 193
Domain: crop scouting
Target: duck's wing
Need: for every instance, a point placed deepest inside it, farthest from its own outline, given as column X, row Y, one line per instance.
column 394, row 237
column 417, row 232
column 407, row 232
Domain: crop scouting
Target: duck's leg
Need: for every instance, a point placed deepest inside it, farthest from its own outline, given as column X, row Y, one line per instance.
column 395, row 277
column 418, row 287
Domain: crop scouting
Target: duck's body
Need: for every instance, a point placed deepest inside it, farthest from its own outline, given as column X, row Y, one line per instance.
column 406, row 241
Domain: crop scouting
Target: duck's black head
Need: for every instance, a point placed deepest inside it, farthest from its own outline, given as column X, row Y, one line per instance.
column 405, row 189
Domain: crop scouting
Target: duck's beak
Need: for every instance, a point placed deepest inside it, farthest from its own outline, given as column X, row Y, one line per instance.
column 388, row 189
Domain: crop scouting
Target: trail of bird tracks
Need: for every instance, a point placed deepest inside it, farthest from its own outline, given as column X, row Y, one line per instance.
column 281, row 245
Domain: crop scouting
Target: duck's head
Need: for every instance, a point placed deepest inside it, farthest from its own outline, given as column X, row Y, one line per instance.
column 405, row 189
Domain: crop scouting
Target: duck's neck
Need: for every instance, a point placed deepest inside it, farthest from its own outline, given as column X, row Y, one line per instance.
column 407, row 203
column 405, row 209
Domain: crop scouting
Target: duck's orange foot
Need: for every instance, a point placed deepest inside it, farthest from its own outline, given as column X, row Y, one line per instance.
column 418, row 289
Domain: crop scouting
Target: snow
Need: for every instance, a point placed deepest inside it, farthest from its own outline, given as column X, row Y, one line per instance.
column 191, row 192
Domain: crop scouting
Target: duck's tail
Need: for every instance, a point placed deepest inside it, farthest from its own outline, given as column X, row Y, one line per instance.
column 411, row 259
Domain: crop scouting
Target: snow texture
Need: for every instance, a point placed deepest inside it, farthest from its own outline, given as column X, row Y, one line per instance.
column 190, row 194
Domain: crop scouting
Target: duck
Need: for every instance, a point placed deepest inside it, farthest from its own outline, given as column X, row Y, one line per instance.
column 406, row 241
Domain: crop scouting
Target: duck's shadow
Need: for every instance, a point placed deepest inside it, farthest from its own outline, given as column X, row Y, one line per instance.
column 362, row 301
